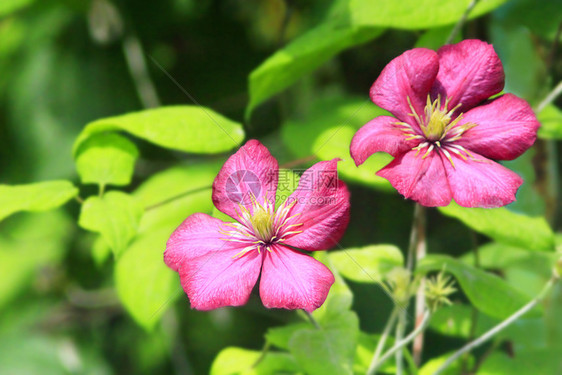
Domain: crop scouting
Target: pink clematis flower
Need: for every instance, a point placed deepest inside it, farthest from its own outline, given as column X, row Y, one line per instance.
column 219, row 262
column 447, row 130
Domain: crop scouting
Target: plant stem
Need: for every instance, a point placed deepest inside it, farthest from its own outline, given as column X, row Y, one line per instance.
column 498, row 328
column 382, row 340
column 400, row 344
column 262, row 355
column 400, row 329
column 418, row 249
column 461, row 22
column 312, row 320
column 557, row 90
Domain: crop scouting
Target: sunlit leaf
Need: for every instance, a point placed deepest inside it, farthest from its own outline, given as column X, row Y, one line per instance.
column 487, row 292
column 368, row 264
column 545, row 361
column 106, row 158
column 40, row 196
column 186, row 128
column 531, row 233
column 302, row 56
column 238, row 361
column 116, row 216
column 551, row 122
column 10, row 6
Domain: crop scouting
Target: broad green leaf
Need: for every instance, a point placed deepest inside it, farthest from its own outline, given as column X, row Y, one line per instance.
column 545, row 361
column 100, row 251
column 487, row 292
column 551, row 122
column 538, row 19
column 414, row 14
column 326, row 132
column 368, row 264
column 329, row 350
column 435, row 363
column 436, row 37
column 40, row 196
column 186, row 128
column 531, row 233
column 334, row 143
column 552, row 317
column 27, row 244
column 106, row 158
column 10, row 6
column 280, row 336
column 116, row 216
column 302, row 56
column 238, row 361
column 146, row 286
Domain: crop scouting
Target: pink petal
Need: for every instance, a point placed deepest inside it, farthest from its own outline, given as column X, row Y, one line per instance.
column 321, row 211
column 419, row 179
column 469, row 72
column 292, row 280
column 251, row 171
column 380, row 135
column 409, row 75
column 481, row 182
column 507, row 127
column 210, row 273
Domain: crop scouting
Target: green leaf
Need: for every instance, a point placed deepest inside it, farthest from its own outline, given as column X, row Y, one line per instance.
column 326, row 132
column 414, row 14
column 544, row 361
column 368, row 264
column 551, row 123
column 280, row 336
column 106, row 158
column 433, row 364
column 531, row 233
column 302, row 56
column 186, row 128
column 539, row 19
column 146, row 286
column 487, row 292
column 235, row 361
column 11, row 6
column 116, row 216
column 435, row 38
column 40, row 196
column 329, row 350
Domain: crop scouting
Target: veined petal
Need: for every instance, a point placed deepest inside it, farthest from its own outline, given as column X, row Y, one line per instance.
column 211, row 273
column 251, row 172
column 506, row 128
column 480, row 182
column 321, row 208
column 382, row 134
column 408, row 76
column 469, row 72
column 419, row 177
column 292, row 280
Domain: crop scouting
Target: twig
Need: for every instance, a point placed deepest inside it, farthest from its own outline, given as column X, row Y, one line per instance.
column 312, row 320
column 461, row 22
column 134, row 56
column 400, row 344
column 418, row 246
column 498, row 328
column 549, row 98
column 382, row 340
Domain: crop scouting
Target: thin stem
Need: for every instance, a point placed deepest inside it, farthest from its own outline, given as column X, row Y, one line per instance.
column 79, row 199
column 498, row 328
column 418, row 246
column 312, row 320
column 382, row 340
column 263, row 354
column 134, row 56
column 417, row 233
column 400, row 329
column 461, row 22
column 402, row 343
column 550, row 97
column 101, row 190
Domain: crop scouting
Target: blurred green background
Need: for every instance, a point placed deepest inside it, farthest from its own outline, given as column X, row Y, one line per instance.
column 65, row 63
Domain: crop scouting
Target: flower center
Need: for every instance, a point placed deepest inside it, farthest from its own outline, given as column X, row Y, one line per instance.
column 437, row 119
column 262, row 223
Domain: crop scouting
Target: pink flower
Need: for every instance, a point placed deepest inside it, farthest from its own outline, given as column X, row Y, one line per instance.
column 447, row 130
column 219, row 262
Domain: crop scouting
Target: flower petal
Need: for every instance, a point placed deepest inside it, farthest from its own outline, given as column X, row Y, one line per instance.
column 381, row 135
column 469, row 72
column 409, row 75
column 321, row 208
column 292, row 280
column 507, row 127
column 251, row 171
column 421, row 179
column 480, row 182
column 211, row 274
